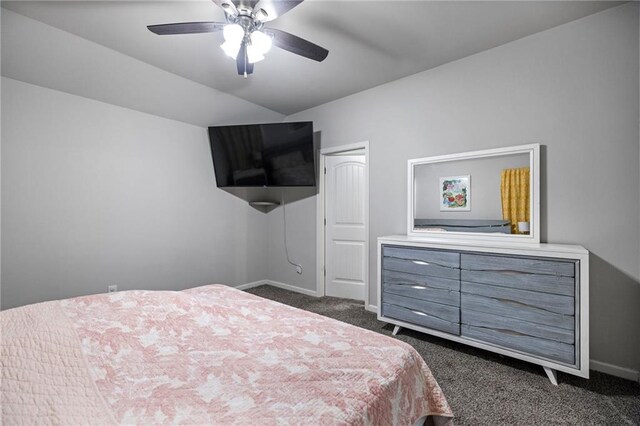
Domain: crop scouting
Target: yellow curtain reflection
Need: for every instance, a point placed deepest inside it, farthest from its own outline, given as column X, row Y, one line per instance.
column 514, row 187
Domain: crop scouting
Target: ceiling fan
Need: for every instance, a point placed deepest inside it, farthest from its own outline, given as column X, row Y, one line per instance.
column 246, row 38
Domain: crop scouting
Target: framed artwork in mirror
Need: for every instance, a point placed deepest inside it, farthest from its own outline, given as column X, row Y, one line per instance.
column 455, row 194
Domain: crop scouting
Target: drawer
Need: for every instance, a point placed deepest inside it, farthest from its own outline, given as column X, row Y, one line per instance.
column 434, row 257
column 403, row 278
column 432, row 309
column 481, row 262
column 554, row 284
column 419, row 267
column 552, row 303
column 548, row 349
column 420, row 318
column 496, row 322
column 422, row 292
column 515, row 310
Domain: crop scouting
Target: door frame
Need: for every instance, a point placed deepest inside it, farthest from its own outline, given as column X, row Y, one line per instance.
column 320, row 226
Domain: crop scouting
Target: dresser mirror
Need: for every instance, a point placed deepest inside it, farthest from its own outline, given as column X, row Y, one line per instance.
column 491, row 195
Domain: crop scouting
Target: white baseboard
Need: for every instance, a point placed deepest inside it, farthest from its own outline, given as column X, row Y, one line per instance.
column 292, row 288
column 279, row 285
column 251, row 285
column 372, row 308
column 614, row 370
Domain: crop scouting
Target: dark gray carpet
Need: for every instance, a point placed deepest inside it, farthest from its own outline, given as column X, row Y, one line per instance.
column 488, row 389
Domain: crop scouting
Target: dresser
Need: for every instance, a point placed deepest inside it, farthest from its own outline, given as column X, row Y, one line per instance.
column 527, row 301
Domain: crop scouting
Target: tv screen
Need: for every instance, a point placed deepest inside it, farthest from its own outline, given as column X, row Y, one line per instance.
column 278, row 154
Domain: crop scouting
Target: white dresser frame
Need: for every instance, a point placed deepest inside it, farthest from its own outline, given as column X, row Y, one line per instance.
column 572, row 252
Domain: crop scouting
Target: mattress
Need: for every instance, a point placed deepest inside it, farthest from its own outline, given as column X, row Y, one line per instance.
column 207, row 355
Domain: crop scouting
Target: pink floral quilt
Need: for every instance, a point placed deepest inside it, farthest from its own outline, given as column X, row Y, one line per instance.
column 217, row 355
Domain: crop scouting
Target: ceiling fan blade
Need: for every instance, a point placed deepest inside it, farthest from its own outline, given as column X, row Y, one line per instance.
column 186, row 28
column 297, row 45
column 228, row 7
column 268, row 10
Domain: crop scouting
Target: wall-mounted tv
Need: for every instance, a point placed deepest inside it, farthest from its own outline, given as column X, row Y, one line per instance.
column 277, row 154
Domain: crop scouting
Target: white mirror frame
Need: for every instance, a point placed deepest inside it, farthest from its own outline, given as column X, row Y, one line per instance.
column 534, row 207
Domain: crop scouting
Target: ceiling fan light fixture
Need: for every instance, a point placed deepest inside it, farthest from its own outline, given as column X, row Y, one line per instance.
column 253, row 54
column 231, row 49
column 261, row 42
column 233, row 33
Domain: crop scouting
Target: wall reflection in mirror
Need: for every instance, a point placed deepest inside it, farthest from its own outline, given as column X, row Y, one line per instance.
column 485, row 192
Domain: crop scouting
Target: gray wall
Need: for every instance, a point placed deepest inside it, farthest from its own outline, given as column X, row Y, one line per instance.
column 486, row 202
column 40, row 54
column 95, row 194
column 573, row 89
column 301, row 241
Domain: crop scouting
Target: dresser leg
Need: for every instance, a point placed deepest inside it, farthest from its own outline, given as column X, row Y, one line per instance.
column 396, row 329
column 551, row 373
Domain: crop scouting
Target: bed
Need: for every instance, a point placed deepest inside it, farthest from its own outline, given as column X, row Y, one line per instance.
column 207, row 355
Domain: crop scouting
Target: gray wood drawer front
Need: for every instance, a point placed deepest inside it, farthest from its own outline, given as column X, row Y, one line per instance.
column 492, row 321
column 419, row 267
column 403, row 278
column 436, row 295
column 437, row 310
column 510, row 309
column 420, row 318
column 434, row 257
column 480, row 262
column 553, row 284
column 552, row 303
column 531, row 345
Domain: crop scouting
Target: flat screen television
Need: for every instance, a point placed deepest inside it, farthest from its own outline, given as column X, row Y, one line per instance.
column 263, row 155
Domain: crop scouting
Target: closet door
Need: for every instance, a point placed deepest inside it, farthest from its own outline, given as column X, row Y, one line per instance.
column 346, row 251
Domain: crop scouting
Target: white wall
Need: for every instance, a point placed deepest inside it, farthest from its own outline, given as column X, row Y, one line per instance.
column 95, row 194
column 574, row 89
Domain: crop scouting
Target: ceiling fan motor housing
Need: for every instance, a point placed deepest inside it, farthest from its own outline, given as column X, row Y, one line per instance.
column 247, row 23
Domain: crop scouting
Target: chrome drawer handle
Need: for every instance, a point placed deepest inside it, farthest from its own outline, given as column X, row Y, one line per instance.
column 419, row 313
column 419, row 287
column 420, row 262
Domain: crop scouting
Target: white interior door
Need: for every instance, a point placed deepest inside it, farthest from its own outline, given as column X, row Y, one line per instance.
column 346, row 248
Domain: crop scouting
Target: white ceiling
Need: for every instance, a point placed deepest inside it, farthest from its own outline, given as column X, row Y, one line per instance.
column 369, row 42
